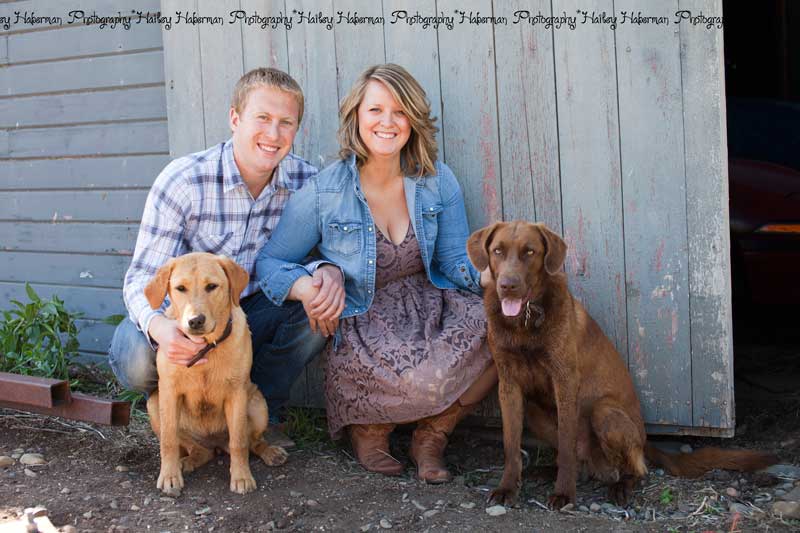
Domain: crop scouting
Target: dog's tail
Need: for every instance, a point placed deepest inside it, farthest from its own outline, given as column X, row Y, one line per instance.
column 699, row 462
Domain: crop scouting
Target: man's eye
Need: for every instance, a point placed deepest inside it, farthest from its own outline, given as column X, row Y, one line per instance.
column 211, row 286
column 180, row 288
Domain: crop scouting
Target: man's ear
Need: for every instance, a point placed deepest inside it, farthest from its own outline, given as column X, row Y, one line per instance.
column 556, row 250
column 156, row 290
column 233, row 119
column 237, row 278
column 477, row 246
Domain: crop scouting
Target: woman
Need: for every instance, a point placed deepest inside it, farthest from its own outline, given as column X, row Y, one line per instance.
column 411, row 344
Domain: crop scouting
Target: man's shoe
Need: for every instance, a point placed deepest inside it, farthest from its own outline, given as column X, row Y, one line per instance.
column 275, row 436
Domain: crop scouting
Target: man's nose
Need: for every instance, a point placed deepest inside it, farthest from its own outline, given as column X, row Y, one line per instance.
column 271, row 130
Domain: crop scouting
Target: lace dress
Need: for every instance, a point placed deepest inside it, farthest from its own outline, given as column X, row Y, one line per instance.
column 412, row 354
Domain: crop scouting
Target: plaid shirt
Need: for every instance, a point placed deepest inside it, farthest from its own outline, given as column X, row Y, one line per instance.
column 199, row 203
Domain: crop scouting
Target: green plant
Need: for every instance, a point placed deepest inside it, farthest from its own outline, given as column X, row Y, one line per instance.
column 666, row 496
column 39, row 338
column 307, row 427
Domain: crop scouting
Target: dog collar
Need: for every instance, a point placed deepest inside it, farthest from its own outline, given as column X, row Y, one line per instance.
column 211, row 346
column 531, row 308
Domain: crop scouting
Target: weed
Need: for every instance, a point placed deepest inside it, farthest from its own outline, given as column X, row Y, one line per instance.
column 308, row 428
column 39, row 338
column 666, row 496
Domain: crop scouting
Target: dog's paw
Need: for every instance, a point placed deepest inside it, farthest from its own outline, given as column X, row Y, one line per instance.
column 274, row 455
column 243, row 484
column 170, row 482
column 557, row 501
column 620, row 493
column 503, row 496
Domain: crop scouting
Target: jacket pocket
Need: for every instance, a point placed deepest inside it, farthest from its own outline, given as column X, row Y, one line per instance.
column 430, row 220
column 344, row 237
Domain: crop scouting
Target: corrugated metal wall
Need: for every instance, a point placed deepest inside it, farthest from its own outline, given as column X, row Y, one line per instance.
column 616, row 139
column 83, row 133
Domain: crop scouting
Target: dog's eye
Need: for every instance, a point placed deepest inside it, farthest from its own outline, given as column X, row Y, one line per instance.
column 498, row 251
column 180, row 288
column 211, row 286
column 530, row 252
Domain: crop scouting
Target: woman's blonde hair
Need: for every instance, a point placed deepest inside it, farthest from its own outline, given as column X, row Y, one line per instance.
column 418, row 156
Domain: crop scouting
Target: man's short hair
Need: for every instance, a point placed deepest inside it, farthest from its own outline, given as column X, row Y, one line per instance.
column 269, row 77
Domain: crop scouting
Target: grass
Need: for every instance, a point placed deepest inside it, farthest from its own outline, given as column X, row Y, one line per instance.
column 308, row 428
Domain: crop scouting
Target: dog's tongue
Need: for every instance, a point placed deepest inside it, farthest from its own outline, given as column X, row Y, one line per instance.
column 511, row 307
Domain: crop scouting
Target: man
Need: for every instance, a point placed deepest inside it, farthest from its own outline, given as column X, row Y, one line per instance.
column 227, row 200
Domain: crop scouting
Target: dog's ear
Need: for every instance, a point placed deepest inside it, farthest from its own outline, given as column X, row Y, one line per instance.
column 156, row 290
column 556, row 250
column 476, row 246
column 237, row 278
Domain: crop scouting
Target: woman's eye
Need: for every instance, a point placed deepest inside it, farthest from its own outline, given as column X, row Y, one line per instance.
column 211, row 286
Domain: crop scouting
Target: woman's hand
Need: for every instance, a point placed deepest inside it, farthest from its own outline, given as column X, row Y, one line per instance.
column 322, row 307
column 486, row 277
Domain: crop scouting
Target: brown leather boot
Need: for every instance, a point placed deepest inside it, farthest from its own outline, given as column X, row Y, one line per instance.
column 429, row 441
column 371, row 445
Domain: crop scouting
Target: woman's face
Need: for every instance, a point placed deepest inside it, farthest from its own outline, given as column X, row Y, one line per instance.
column 383, row 126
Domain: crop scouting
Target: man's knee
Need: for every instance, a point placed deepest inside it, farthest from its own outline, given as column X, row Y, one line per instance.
column 132, row 359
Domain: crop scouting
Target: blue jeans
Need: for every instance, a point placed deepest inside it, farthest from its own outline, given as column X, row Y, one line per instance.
column 283, row 344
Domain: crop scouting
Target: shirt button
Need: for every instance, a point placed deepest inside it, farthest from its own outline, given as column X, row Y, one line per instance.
column 370, row 261
column 370, row 228
column 430, row 209
column 369, row 291
column 462, row 269
column 345, row 228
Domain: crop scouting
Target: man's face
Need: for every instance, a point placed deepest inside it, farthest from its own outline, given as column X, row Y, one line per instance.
column 264, row 131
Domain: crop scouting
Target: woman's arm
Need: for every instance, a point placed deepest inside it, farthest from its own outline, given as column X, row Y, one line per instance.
column 451, row 242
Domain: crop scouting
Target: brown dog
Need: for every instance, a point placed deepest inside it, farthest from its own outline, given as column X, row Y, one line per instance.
column 214, row 405
column 552, row 356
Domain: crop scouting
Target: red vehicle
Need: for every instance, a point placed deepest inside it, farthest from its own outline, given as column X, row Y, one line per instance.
column 764, row 177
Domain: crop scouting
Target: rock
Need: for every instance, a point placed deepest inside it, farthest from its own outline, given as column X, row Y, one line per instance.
column 740, row 508
column 418, row 505
column 583, row 509
column 204, row 510
column 468, row 505
column 787, row 486
column 568, row 507
column 787, row 509
column 428, row 514
column 793, row 496
column 135, row 507
column 732, row 492
column 496, row 510
column 365, row 527
column 385, row 524
column 782, row 470
column 147, row 501
column 439, row 503
column 32, row 459
column 659, row 472
column 126, row 484
column 121, row 468
column 65, row 490
column 114, row 504
column 6, row 461
column 295, row 494
column 69, row 528
column 312, row 503
column 595, row 508
column 88, row 515
column 30, row 473
column 686, row 449
column 779, row 492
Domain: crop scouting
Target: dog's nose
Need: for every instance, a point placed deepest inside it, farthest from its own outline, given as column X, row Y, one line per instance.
column 197, row 322
column 509, row 283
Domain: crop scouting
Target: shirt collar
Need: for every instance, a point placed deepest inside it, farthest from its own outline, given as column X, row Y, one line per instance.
column 232, row 178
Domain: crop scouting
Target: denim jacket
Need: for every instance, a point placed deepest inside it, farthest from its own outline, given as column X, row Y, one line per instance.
column 331, row 213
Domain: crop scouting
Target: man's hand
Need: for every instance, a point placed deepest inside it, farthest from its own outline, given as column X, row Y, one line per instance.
column 305, row 291
column 329, row 301
column 178, row 348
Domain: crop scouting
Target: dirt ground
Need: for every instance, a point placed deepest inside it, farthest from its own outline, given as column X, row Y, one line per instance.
column 104, row 479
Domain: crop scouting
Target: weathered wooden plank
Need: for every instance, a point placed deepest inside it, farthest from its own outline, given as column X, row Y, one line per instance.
column 707, row 218
column 94, row 336
column 125, row 104
column 94, row 303
column 135, row 137
column 73, row 41
column 222, row 64
column 312, row 62
column 85, row 173
column 64, row 269
column 265, row 47
column 184, row 82
column 81, row 74
column 590, row 169
column 358, row 46
column 471, row 143
column 653, row 184
column 73, row 206
column 75, row 237
column 526, row 95
column 415, row 49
